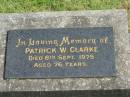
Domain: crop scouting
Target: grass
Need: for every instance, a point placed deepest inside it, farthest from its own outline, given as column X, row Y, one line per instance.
column 58, row 5
column 9, row 6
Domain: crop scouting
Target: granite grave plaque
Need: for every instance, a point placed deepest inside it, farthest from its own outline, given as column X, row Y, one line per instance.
column 59, row 53
column 117, row 19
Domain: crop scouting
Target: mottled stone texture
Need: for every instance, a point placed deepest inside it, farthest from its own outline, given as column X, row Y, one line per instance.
column 108, row 18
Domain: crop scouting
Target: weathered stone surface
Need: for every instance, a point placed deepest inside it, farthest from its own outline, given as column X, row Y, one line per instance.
column 109, row 18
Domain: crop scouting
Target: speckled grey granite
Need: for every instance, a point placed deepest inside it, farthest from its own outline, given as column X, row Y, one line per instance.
column 102, row 18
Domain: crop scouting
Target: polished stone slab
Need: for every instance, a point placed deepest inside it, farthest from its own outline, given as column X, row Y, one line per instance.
column 60, row 53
